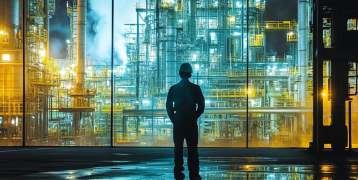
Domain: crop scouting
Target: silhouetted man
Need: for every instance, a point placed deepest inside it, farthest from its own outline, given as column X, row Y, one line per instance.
column 181, row 108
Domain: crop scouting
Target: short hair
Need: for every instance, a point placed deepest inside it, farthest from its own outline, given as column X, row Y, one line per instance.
column 184, row 75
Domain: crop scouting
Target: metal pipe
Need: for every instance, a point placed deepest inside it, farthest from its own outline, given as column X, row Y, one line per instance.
column 276, row 110
column 303, row 47
column 138, row 59
column 350, row 124
column 23, row 69
column 274, row 96
column 247, row 72
column 81, row 41
column 171, row 43
column 192, row 20
column 112, row 76
column 157, row 41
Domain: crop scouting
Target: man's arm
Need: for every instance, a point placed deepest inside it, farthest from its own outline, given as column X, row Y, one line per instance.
column 169, row 104
column 200, row 102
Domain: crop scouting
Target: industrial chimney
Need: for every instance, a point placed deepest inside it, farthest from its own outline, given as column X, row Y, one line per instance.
column 81, row 42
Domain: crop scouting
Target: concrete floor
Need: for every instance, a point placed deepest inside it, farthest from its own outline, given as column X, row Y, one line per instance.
column 157, row 163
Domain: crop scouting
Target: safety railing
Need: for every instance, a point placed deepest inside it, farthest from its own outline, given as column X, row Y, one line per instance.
column 128, row 137
column 292, row 37
column 37, row 33
column 11, row 108
column 280, row 25
column 257, row 40
column 234, row 93
column 239, row 73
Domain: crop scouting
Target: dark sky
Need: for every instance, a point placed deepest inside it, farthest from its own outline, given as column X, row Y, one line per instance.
column 276, row 10
column 279, row 10
column 59, row 31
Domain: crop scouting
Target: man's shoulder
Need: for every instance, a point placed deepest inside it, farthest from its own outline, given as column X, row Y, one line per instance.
column 174, row 86
column 178, row 85
column 195, row 85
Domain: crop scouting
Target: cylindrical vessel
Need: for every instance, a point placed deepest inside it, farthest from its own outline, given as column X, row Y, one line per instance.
column 81, row 41
column 10, row 14
column 171, row 49
column 303, row 47
column 192, row 20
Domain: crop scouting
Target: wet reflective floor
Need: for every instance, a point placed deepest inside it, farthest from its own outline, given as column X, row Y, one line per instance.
column 157, row 163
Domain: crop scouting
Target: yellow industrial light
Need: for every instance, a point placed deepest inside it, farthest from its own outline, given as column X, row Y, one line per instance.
column 249, row 91
column 324, row 94
column 43, row 53
column 1, row 32
column 6, row 57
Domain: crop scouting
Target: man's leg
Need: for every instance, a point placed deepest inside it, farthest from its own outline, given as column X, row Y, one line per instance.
column 178, row 151
column 193, row 156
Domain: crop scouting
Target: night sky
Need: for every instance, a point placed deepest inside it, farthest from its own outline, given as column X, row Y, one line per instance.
column 59, row 31
column 97, row 31
column 279, row 10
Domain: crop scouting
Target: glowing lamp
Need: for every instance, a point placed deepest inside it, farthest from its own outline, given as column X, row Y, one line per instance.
column 1, row 32
column 249, row 91
column 43, row 53
column 6, row 57
column 196, row 66
column 238, row 4
column 324, row 94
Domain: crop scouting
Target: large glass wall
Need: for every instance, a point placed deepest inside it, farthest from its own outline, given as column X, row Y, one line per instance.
column 254, row 67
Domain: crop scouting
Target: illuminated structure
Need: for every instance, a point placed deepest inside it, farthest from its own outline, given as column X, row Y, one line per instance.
column 11, row 73
column 253, row 98
column 231, row 66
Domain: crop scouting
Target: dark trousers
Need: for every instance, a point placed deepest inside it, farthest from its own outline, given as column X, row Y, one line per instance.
column 190, row 134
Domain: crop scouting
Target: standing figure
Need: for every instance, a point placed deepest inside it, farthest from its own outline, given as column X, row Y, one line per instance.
column 185, row 103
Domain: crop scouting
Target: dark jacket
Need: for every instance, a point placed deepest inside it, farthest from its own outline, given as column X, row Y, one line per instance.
column 182, row 100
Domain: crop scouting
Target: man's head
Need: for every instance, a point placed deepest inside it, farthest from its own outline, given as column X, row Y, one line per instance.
column 185, row 71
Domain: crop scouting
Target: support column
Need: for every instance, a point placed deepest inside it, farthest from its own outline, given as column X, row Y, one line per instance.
column 303, row 48
column 171, row 47
column 192, row 20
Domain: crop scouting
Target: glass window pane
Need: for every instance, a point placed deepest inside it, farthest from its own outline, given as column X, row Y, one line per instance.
column 280, row 74
column 68, row 73
column 11, row 73
column 200, row 33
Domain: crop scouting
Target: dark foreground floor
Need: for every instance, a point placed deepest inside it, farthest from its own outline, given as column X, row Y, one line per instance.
column 157, row 163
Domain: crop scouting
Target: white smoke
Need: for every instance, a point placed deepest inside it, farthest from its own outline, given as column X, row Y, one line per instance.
column 99, row 28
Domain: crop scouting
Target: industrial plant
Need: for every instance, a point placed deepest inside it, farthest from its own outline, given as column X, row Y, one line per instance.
column 253, row 98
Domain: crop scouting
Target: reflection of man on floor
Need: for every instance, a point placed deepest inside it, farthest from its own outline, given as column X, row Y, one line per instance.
column 181, row 107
